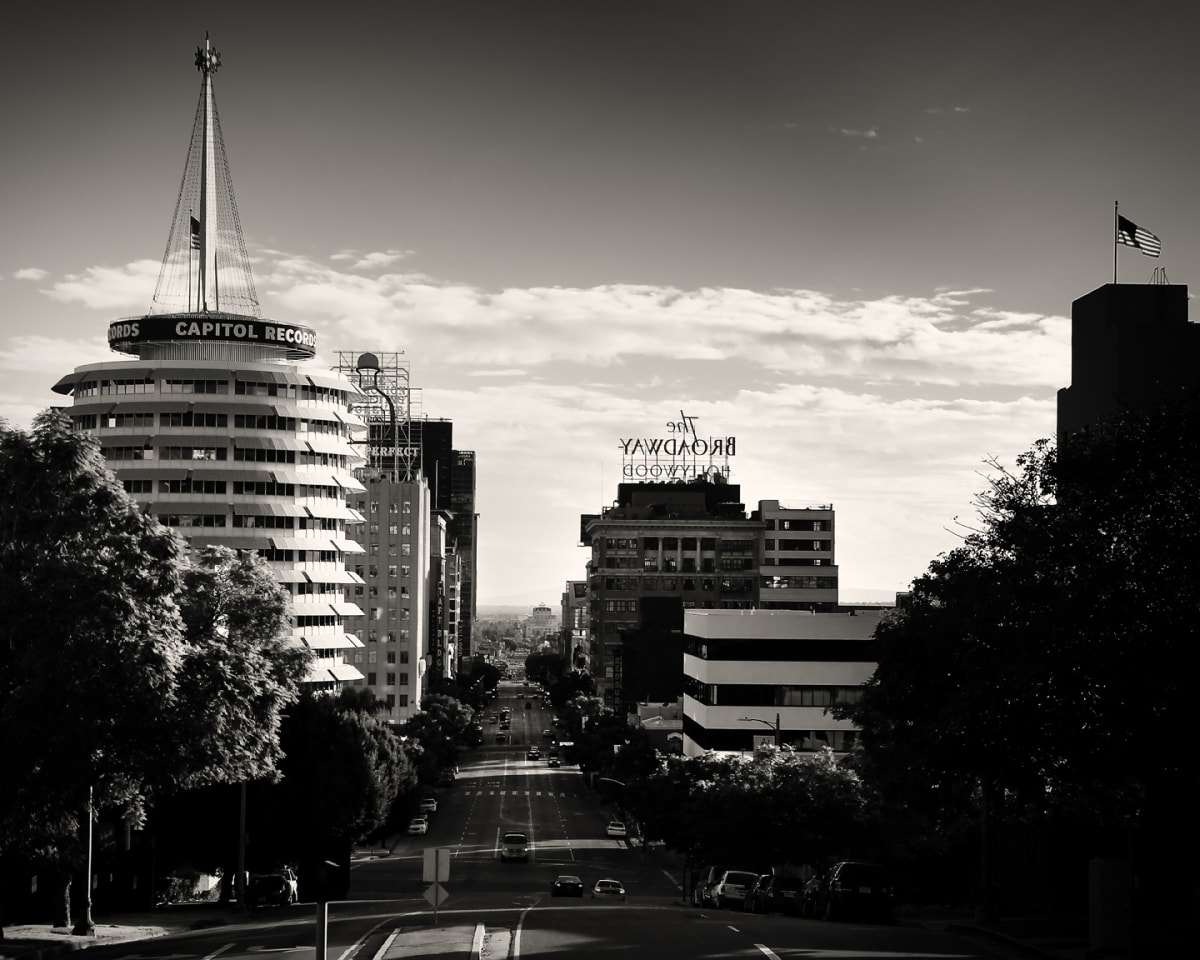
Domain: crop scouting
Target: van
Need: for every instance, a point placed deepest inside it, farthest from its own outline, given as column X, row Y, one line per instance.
column 514, row 846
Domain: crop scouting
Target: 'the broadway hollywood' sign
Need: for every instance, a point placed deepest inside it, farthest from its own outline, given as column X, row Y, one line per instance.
column 682, row 455
column 124, row 335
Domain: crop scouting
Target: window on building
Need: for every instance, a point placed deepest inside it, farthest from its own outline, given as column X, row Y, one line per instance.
column 404, row 679
column 404, row 656
column 372, row 656
column 391, row 680
column 371, row 679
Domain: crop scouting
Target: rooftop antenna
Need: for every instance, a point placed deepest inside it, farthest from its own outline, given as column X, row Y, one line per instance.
column 206, row 227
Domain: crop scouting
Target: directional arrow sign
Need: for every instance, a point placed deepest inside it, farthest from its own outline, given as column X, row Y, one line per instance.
column 436, row 895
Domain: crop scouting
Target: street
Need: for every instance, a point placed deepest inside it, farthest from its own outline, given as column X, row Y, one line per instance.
column 499, row 790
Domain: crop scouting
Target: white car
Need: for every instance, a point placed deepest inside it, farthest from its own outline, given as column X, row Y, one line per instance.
column 609, row 890
column 429, row 805
column 418, row 825
column 616, row 828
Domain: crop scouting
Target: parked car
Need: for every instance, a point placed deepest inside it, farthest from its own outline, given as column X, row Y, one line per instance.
column 502, row 737
column 428, row 805
column 615, row 828
column 514, row 846
column 730, row 890
column 269, row 889
column 418, row 825
column 775, row 894
column 609, row 890
column 855, row 889
column 566, row 886
column 703, row 883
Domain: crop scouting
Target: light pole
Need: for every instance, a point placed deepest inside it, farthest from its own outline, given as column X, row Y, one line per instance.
column 774, row 726
column 368, row 361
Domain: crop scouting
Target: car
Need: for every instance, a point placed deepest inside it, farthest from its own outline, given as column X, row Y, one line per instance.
column 616, row 828
column 502, row 737
column 418, row 825
column 492, row 718
column 775, row 894
column 566, row 886
column 554, row 762
column 533, row 754
column 855, row 889
column 505, row 725
column 703, row 884
column 428, row 805
column 609, row 890
column 514, row 846
column 547, row 734
column 730, row 889
column 445, row 777
column 269, row 889
column 555, row 722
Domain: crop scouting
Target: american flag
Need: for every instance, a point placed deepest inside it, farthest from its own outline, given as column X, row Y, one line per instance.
column 195, row 227
column 1130, row 234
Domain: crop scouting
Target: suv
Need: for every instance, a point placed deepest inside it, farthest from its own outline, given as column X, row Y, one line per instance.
column 856, row 889
column 515, row 846
column 730, row 889
column 775, row 894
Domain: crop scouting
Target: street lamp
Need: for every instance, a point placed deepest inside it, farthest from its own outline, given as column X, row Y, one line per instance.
column 774, row 726
column 368, row 361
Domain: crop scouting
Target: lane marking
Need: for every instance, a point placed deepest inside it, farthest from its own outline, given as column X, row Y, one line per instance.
column 767, row 951
column 382, row 951
column 219, row 951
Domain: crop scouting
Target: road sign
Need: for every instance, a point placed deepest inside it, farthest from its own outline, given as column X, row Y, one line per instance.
column 436, row 895
column 436, row 865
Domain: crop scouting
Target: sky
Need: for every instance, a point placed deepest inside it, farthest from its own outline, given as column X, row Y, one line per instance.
column 848, row 235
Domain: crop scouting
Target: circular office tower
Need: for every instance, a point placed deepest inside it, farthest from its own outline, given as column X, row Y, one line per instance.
column 212, row 424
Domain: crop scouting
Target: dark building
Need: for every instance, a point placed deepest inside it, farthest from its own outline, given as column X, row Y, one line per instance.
column 1131, row 347
column 465, row 533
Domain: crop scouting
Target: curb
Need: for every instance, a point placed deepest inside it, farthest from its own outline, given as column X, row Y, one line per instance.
column 477, row 941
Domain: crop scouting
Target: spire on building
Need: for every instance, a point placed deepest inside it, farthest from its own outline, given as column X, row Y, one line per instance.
column 205, row 268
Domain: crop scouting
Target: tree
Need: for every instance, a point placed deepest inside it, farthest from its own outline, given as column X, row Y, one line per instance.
column 341, row 770
column 239, row 673
column 90, row 644
column 1019, row 670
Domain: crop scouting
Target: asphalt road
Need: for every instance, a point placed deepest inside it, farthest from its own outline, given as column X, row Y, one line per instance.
column 498, row 790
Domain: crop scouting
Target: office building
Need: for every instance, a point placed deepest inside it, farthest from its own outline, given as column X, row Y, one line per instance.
column 755, row 677
column 214, row 427
column 1131, row 347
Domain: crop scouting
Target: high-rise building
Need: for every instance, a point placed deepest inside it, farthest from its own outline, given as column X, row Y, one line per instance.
column 212, row 425
column 466, row 540
column 1131, row 346
column 690, row 541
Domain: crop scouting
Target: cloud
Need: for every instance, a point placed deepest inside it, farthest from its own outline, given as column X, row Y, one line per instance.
column 31, row 273
column 372, row 260
column 939, row 339
column 130, row 287
column 34, row 353
column 871, row 133
column 936, row 111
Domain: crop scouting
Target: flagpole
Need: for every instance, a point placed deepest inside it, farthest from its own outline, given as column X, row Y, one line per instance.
column 1116, row 227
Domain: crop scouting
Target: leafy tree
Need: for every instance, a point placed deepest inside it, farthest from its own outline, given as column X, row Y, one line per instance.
column 769, row 809
column 543, row 667
column 342, row 768
column 238, row 672
column 1016, row 679
column 90, row 645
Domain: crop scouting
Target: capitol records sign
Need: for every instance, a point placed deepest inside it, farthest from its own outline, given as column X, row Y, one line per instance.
column 683, row 454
